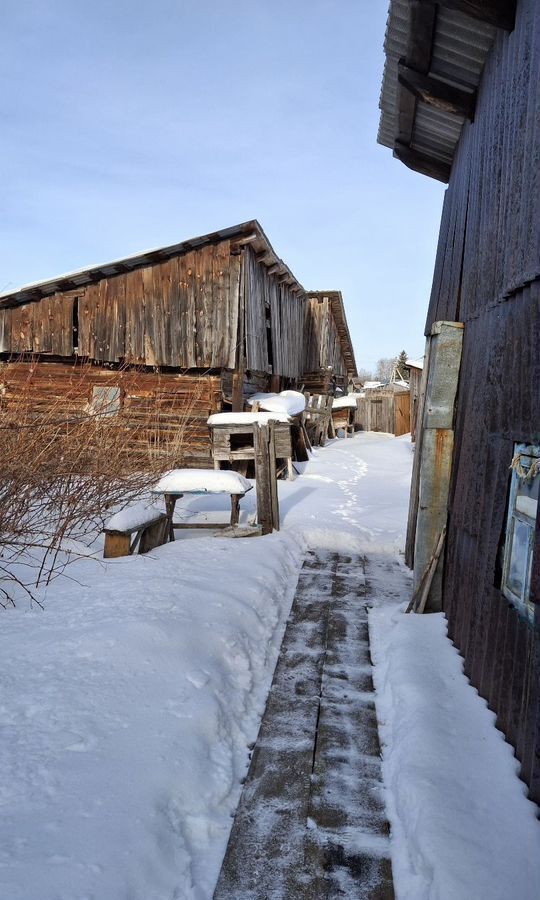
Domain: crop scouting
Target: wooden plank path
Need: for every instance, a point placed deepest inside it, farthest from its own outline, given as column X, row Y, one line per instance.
column 311, row 821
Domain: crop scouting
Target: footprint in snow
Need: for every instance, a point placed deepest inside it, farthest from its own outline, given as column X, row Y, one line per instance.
column 197, row 678
column 83, row 744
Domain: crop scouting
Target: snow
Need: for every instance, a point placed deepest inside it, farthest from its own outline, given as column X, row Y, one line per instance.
column 346, row 402
column 415, row 363
column 247, row 418
column 373, row 384
column 462, row 825
column 132, row 516
column 290, row 402
column 129, row 704
column 203, row 481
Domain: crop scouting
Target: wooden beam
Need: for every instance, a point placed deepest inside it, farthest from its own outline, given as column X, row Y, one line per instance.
column 418, row 56
column 419, row 162
column 420, row 38
column 437, row 93
column 499, row 13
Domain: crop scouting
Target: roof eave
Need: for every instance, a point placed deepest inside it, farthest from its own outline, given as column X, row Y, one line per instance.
column 249, row 232
column 435, row 54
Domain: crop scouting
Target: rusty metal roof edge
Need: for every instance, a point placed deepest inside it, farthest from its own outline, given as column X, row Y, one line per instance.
column 37, row 290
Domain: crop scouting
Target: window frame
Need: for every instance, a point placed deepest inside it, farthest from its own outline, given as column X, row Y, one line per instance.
column 522, row 602
column 102, row 407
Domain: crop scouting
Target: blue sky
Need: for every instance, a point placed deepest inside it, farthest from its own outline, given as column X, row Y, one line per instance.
column 129, row 125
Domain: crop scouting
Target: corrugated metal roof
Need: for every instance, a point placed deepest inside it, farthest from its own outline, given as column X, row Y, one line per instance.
column 459, row 49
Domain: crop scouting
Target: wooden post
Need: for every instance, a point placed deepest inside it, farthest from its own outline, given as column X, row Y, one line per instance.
column 265, row 477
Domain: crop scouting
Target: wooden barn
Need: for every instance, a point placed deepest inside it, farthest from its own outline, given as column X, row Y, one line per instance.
column 198, row 325
column 328, row 357
column 461, row 103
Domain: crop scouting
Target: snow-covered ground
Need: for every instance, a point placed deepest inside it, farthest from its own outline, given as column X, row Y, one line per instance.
column 128, row 706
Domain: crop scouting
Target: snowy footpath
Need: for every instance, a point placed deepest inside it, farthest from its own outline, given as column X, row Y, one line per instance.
column 129, row 704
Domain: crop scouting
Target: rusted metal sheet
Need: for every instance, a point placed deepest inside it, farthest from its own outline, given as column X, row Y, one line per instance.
column 435, row 452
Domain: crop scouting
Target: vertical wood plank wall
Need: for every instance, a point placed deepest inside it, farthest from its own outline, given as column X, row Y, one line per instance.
column 182, row 313
column 268, row 300
column 487, row 275
column 322, row 346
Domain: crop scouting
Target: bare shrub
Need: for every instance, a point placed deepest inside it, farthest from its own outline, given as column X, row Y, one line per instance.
column 67, row 457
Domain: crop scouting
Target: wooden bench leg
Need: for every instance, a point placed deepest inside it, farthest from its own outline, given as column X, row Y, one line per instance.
column 235, row 508
column 116, row 545
column 170, row 503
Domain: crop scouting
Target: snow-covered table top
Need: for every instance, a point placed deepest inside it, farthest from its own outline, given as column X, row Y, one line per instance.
column 247, row 418
column 202, row 481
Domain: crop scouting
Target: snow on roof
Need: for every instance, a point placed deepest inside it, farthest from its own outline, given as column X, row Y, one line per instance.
column 415, row 363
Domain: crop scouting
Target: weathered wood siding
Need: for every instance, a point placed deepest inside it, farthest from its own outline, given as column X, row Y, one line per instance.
column 182, row 312
column 267, row 302
column 44, row 327
column 168, row 400
column 487, row 275
column 322, row 346
column 415, row 382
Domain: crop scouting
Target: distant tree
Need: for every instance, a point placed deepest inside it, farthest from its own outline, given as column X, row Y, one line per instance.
column 385, row 369
column 404, row 371
column 365, row 375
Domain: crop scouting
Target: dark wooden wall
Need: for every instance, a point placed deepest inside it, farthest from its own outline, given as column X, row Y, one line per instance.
column 322, row 346
column 487, row 275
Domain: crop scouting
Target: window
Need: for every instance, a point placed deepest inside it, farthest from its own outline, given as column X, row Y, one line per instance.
column 105, row 401
column 520, row 525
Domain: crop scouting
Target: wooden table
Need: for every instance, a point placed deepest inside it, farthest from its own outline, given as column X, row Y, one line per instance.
column 170, row 499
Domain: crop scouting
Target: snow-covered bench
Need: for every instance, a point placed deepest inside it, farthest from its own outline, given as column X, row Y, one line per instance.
column 140, row 526
column 178, row 482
